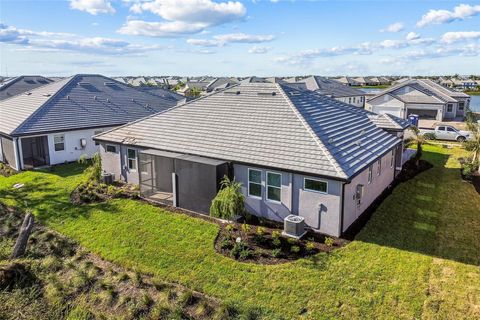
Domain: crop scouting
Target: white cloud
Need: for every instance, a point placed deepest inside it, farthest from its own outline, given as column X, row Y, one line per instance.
column 460, row 12
column 224, row 39
column 182, row 17
column 394, row 27
column 412, row 36
column 70, row 42
column 259, row 50
column 451, row 37
column 92, row 6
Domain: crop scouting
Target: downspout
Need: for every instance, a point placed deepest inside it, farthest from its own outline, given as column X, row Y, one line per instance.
column 342, row 209
column 17, row 155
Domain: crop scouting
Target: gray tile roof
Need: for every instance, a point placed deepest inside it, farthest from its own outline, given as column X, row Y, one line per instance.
column 21, row 84
column 81, row 101
column 330, row 87
column 429, row 92
column 266, row 124
column 163, row 93
column 389, row 121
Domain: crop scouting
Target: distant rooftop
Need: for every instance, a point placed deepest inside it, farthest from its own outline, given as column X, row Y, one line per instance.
column 21, row 84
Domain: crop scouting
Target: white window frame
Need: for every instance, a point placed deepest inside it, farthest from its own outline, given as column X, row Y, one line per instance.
column 450, row 105
column 370, row 174
column 258, row 183
column 392, row 160
column 134, row 159
column 379, row 167
column 110, row 145
column 54, row 143
column 311, row 190
column 267, row 185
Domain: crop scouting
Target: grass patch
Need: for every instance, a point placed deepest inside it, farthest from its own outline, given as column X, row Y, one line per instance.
column 417, row 256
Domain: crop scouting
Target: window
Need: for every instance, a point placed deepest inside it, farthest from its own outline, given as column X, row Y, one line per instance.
column 461, row 106
column 95, row 133
column 349, row 100
column 450, row 129
column 449, row 107
column 254, row 183
column 111, row 148
column 274, row 186
column 359, row 194
column 370, row 174
column 392, row 159
column 379, row 167
column 132, row 159
column 315, row 185
column 441, row 128
column 59, row 142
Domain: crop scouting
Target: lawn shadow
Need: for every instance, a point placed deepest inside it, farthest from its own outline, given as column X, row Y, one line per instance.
column 433, row 214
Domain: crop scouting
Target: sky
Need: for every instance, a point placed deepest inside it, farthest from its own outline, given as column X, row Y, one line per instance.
column 239, row 38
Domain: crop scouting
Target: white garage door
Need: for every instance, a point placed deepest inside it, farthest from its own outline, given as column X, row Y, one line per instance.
column 383, row 110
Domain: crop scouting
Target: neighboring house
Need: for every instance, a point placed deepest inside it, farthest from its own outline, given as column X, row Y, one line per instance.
column 21, row 84
column 220, row 83
column 164, row 94
column 358, row 81
column 55, row 123
column 423, row 97
column 294, row 152
column 336, row 90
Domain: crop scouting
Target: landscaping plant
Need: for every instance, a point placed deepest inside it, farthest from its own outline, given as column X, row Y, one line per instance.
column 473, row 144
column 229, row 201
column 419, row 140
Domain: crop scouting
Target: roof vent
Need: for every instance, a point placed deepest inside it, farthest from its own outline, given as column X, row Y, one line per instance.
column 294, row 93
column 266, row 93
column 28, row 93
column 68, row 97
column 133, row 100
column 231, row 92
column 83, row 83
column 108, row 100
column 94, row 97
column 47, row 94
column 109, row 83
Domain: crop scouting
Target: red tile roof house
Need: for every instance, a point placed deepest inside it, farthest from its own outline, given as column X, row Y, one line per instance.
column 54, row 123
column 294, row 151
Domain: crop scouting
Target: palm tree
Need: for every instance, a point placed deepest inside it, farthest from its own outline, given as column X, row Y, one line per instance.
column 416, row 139
column 194, row 92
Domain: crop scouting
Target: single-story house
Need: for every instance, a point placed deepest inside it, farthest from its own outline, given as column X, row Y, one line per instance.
column 55, row 123
column 423, row 97
column 21, row 84
column 294, row 152
column 335, row 89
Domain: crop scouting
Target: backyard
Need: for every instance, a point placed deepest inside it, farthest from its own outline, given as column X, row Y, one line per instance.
column 418, row 257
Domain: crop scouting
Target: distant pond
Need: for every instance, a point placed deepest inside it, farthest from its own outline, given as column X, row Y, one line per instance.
column 475, row 103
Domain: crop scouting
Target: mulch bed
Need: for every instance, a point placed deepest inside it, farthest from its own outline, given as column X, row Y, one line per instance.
column 94, row 192
column 246, row 243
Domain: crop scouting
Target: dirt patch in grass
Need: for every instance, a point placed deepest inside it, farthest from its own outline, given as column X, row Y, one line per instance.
column 262, row 245
column 59, row 279
column 90, row 192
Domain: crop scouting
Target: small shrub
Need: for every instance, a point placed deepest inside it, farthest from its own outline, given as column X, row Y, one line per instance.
column 329, row 241
column 276, row 234
column 276, row 242
column 310, row 246
column 246, row 228
column 83, row 159
column 261, row 231
column 469, row 169
column 295, row 249
column 229, row 227
column 276, row 253
column 226, row 244
column 292, row 241
column 240, row 251
column 429, row 136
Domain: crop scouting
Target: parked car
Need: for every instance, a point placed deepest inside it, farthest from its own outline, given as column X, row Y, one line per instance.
column 445, row 132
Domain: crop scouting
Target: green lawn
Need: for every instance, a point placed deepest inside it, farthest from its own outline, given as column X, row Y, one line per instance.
column 418, row 257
